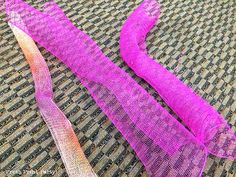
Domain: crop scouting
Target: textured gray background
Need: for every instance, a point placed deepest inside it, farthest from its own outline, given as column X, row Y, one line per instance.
column 195, row 39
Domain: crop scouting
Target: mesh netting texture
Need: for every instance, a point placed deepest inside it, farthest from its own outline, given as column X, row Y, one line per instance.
column 157, row 138
column 60, row 128
column 206, row 124
column 109, row 96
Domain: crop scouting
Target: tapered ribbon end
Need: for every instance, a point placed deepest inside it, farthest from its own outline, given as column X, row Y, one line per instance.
column 223, row 142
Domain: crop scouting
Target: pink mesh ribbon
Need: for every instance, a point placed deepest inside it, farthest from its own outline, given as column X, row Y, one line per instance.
column 61, row 130
column 204, row 121
column 163, row 145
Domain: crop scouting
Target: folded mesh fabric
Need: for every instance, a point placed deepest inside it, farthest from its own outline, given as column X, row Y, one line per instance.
column 163, row 145
column 204, row 121
column 65, row 139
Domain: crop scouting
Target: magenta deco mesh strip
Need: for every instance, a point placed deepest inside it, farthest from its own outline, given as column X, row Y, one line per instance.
column 204, row 121
column 163, row 145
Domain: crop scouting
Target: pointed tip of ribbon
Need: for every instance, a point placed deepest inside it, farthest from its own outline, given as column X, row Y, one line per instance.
column 223, row 142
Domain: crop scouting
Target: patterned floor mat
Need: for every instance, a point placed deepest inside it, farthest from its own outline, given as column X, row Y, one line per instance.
column 194, row 39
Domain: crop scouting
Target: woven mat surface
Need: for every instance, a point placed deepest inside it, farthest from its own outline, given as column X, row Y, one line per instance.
column 195, row 39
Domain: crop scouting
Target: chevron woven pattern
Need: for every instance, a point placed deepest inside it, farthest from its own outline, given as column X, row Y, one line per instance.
column 194, row 39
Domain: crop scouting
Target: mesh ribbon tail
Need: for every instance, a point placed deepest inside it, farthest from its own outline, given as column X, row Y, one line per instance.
column 61, row 129
column 204, row 121
column 163, row 145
